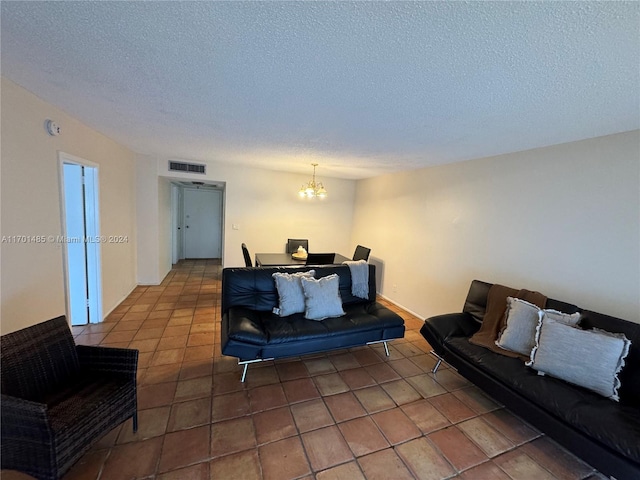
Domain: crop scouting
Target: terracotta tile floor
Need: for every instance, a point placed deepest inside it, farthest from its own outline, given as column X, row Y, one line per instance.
column 348, row 414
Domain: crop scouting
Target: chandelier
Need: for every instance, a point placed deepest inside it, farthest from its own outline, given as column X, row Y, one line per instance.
column 313, row 189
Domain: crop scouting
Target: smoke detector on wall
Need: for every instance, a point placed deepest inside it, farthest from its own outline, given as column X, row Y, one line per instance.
column 53, row 128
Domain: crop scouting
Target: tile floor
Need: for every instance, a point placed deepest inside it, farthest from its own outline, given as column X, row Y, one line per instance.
column 349, row 414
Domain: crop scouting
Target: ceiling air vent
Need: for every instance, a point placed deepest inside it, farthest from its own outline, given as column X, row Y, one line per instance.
column 186, row 167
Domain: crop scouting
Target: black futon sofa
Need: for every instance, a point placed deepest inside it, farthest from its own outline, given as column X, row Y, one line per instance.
column 605, row 433
column 252, row 333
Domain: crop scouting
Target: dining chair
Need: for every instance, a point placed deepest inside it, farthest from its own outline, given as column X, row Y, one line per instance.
column 361, row 253
column 320, row 258
column 294, row 243
column 247, row 257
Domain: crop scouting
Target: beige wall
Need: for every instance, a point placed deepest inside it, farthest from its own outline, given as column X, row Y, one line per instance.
column 32, row 282
column 264, row 204
column 164, row 227
column 147, row 205
column 564, row 220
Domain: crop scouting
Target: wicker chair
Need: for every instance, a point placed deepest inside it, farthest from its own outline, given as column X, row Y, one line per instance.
column 59, row 398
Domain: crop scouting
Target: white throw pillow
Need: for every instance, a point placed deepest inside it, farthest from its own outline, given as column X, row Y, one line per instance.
column 589, row 358
column 523, row 318
column 290, row 293
column 322, row 297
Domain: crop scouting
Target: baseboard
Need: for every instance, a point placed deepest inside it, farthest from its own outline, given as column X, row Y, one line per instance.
column 122, row 299
column 402, row 306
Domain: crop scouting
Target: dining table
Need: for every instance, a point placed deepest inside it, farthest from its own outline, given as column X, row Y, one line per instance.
column 285, row 259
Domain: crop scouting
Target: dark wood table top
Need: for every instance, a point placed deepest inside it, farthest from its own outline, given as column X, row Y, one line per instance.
column 283, row 259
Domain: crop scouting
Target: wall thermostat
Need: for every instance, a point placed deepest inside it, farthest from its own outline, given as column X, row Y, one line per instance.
column 52, row 128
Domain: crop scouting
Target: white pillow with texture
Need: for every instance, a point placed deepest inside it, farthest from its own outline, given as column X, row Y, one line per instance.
column 322, row 297
column 523, row 318
column 290, row 293
column 563, row 351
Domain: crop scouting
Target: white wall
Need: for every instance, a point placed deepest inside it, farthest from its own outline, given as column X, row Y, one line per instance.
column 563, row 220
column 32, row 276
column 147, row 204
column 153, row 205
column 265, row 206
column 164, row 227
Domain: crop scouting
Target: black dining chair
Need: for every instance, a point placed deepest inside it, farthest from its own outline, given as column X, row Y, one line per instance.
column 247, row 257
column 320, row 258
column 294, row 243
column 361, row 253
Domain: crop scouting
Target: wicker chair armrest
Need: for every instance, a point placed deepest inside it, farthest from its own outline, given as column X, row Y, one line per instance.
column 121, row 361
column 23, row 415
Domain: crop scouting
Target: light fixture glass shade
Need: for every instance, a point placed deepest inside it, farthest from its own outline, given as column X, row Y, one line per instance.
column 313, row 189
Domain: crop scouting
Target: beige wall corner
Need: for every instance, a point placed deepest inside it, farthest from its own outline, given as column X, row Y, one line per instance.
column 32, row 282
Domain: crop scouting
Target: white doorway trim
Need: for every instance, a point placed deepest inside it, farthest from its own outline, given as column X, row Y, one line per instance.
column 176, row 223
column 178, row 188
column 90, row 240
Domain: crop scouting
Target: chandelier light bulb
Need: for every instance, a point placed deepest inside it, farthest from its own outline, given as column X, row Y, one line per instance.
column 313, row 189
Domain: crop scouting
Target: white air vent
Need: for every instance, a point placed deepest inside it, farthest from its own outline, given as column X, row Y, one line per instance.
column 186, row 167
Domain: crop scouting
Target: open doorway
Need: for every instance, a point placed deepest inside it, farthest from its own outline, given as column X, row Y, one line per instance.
column 81, row 239
column 197, row 220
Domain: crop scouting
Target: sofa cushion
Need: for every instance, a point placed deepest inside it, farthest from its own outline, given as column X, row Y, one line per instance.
column 555, row 396
column 615, row 425
column 562, row 351
column 519, row 332
column 290, row 293
column 247, row 325
column 254, row 287
column 630, row 376
column 322, row 297
column 260, row 328
column 72, row 412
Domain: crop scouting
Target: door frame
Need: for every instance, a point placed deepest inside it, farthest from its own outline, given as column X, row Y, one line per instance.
column 93, row 225
column 176, row 223
column 177, row 213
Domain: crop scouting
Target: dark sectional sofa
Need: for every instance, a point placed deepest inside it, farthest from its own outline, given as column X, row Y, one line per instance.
column 252, row 333
column 604, row 433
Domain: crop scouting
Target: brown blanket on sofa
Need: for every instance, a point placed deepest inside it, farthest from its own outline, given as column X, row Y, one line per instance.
column 494, row 318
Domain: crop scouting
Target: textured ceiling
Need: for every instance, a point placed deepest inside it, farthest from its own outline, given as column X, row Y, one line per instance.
column 361, row 88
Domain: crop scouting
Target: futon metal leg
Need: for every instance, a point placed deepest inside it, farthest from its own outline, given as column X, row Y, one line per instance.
column 135, row 422
column 437, row 365
column 245, row 364
column 386, row 348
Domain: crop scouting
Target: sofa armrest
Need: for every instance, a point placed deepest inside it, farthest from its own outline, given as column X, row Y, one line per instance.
column 437, row 330
column 23, row 420
column 121, row 361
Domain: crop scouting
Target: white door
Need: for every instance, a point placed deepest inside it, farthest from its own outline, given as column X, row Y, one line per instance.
column 202, row 223
column 176, row 224
column 81, row 241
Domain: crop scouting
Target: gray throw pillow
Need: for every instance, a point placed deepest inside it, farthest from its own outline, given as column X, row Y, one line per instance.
column 322, row 297
column 522, row 320
column 562, row 351
column 519, row 332
column 291, row 296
